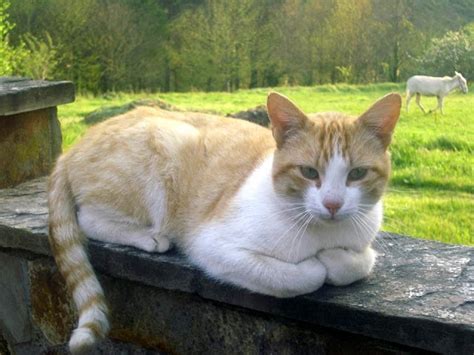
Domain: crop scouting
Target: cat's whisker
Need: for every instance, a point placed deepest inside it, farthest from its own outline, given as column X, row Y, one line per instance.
column 359, row 229
column 293, row 238
column 364, row 227
column 299, row 235
column 285, row 212
column 391, row 189
column 305, row 229
column 393, row 247
column 380, row 241
column 391, row 218
column 399, row 224
column 356, row 228
column 360, row 222
column 281, row 237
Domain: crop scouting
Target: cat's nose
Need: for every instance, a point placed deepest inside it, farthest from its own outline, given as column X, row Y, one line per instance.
column 332, row 206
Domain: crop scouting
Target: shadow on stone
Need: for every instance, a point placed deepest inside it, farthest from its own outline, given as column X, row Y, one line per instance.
column 4, row 345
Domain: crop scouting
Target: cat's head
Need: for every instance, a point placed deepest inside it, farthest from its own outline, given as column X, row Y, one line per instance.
column 334, row 165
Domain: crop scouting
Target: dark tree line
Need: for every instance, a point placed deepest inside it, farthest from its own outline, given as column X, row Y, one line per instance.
column 167, row 45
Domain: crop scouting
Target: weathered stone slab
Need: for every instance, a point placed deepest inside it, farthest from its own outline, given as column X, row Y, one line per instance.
column 421, row 293
column 14, row 311
column 29, row 145
column 184, row 323
column 51, row 306
column 18, row 95
column 30, row 133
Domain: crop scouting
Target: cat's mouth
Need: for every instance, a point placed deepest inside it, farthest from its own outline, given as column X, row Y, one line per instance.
column 332, row 219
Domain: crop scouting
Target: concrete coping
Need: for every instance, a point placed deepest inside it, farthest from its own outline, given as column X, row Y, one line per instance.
column 19, row 95
column 421, row 293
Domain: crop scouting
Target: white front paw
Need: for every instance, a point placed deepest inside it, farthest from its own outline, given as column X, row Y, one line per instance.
column 151, row 242
column 298, row 279
column 314, row 272
column 345, row 266
column 162, row 244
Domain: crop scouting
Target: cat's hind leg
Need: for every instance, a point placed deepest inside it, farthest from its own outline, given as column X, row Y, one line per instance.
column 108, row 225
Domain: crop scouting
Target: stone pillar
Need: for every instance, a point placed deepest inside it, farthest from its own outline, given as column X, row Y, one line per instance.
column 30, row 133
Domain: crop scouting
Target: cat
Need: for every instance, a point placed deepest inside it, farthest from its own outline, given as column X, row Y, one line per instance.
column 277, row 211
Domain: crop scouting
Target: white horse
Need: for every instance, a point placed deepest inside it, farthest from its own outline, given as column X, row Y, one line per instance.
column 434, row 86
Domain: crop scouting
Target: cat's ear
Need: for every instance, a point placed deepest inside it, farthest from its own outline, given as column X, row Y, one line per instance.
column 382, row 117
column 285, row 117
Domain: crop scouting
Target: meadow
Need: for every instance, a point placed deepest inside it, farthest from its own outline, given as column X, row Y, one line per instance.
column 431, row 193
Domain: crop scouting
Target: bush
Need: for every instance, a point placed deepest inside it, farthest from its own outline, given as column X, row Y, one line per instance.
column 42, row 59
column 453, row 52
column 32, row 57
column 8, row 54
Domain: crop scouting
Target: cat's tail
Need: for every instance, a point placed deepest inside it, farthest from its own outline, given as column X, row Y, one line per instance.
column 68, row 246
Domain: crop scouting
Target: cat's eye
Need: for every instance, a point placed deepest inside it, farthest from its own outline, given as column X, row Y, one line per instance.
column 309, row 172
column 357, row 174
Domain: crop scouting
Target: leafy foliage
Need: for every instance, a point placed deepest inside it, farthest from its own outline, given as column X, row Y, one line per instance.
column 42, row 58
column 452, row 52
column 213, row 45
column 8, row 54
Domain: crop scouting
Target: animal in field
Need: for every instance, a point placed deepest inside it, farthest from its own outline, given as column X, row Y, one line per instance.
column 434, row 86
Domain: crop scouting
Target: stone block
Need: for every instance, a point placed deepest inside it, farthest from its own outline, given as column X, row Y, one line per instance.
column 30, row 133
column 30, row 142
column 19, row 95
column 4, row 348
column 51, row 304
column 14, row 299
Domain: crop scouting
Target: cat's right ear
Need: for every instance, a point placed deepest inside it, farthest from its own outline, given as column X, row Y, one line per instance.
column 285, row 117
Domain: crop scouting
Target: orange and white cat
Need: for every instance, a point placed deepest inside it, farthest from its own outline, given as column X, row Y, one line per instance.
column 279, row 212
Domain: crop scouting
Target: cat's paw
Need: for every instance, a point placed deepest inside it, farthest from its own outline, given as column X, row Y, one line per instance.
column 152, row 243
column 162, row 244
column 315, row 271
column 145, row 242
column 310, row 276
column 345, row 266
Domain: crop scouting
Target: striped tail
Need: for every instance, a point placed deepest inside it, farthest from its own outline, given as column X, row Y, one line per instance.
column 68, row 246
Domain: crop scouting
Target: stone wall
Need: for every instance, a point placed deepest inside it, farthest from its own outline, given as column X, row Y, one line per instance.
column 418, row 300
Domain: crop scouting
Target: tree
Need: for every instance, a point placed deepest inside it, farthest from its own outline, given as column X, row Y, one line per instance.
column 452, row 52
column 211, row 45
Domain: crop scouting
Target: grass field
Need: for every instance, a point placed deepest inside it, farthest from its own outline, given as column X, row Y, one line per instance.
column 431, row 194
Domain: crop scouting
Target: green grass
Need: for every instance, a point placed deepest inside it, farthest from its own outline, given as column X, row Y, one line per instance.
column 432, row 187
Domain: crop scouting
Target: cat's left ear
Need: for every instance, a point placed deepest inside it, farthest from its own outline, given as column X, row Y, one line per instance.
column 382, row 117
column 285, row 116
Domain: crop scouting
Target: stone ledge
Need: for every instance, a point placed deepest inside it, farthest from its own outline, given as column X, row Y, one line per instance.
column 19, row 95
column 421, row 293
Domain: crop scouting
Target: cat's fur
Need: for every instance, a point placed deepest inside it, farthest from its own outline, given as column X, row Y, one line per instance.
column 226, row 192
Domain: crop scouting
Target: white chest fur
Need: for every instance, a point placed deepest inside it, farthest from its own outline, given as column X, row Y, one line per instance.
column 261, row 221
